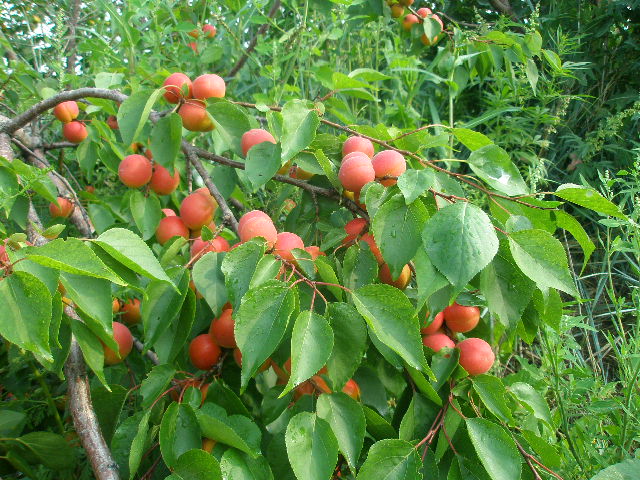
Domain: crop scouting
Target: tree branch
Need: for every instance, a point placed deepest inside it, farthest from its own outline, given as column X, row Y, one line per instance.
column 72, row 50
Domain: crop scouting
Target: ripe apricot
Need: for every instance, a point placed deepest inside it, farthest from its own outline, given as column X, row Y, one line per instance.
column 397, row 11
column 162, row 182
column 124, row 339
column 434, row 326
column 195, row 116
column 195, row 33
column 357, row 144
column 424, row 12
column 356, row 172
column 209, row 31
column 63, row 209
column 170, row 227
column 193, row 46
column 75, row 132
column 314, row 251
column 135, row 170
column 131, row 311
column 259, row 227
column 369, row 240
column 352, row 389
column 208, row 85
column 409, row 21
column 249, row 215
column 221, row 329
column 460, row 318
column 112, row 122
column 401, row 282
column 198, row 208
column 388, row 162
column 204, row 352
column 476, row 356
column 115, row 305
column 177, row 86
column 167, row 212
column 299, row 173
column 254, row 137
column 285, row 242
column 354, row 228
column 218, row 244
column 437, row 342
column 66, row 111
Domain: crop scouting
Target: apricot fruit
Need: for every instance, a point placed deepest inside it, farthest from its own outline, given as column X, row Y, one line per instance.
column 476, row 356
column 162, row 182
column 249, row 215
column 460, row 318
column 74, row 131
column 397, row 11
column 356, row 172
column 167, row 212
column 409, row 21
column 285, row 242
column 62, row 210
column 424, row 12
column 209, row 31
column 124, row 339
column 198, row 208
column 204, row 353
column 437, row 342
column 115, row 305
column 305, row 388
column 352, row 389
column 221, row 329
column 66, row 111
column 131, row 311
column 208, row 85
column 388, row 162
column 434, row 326
column 112, row 122
column 299, row 173
column 369, row 240
column 218, row 244
column 177, row 86
column 195, row 33
column 254, row 137
column 406, row 3
column 314, row 251
column 401, row 282
column 357, row 144
column 170, row 227
column 90, row 189
column 259, row 227
column 135, row 170
column 354, row 228
column 208, row 445
column 195, row 116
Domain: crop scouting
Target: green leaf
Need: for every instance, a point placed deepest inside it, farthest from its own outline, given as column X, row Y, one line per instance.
column 263, row 162
column 108, row 406
column 156, row 383
column 179, row 432
column 240, row 466
column 626, row 470
column 238, row 267
column 166, row 140
column 429, row 279
column 197, row 464
column 418, row 418
column 493, row 394
column 329, row 169
column 231, row 123
column 542, row 258
column 460, row 241
column 532, row 74
column 575, row 228
column 413, row 183
column 162, row 304
column 134, row 112
column 588, row 198
column 375, row 195
column 129, row 249
column 349, row 344
column 236, row 431
column 92, row 349
column 533, row 400
column 391, row 316
column 49, row 276
column 493, row 165
column 471, row 139
column 146, row 212
column 359, row 267
column 300, row 123
column 226, row 398
column 391, row 460
column 347, row 421
column 495, row 449
column 311, row 344
column 311, row 446
column 49, row 449
column 172, row 341
column 26, row 313
column 138, row 445
column 377, row 426
column 267, row 269
column 397, row 228
column 209, row 280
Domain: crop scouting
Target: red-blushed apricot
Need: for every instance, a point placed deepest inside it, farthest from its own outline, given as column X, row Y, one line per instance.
column 198, row 208
column 369, row 240
column 193, row 46
column 314, row 251
column 208, row 85
column 357, row 144
column 299, row 173
column 112, row 122
column 170, row 227
column 135, row 170
column 397, row 11
column 319, row 384
column 167, row 212
column 115, row 305
column 249, row 215
column 90, row 189
column 476, row 356
column 131, row 311
column 352, row 389
column 254, row 137
column 351, row 155
column 401, row 282
column 204, row 353
column 237, row 244
column 460, row 318
column 259, row 227
column 66, row 111
column 209, row 31
column 221, row 329
column 195, row 116
column 424, row 12
column 75, row 132
column 162, row 182
column 208, row 445
column 285, row 242
column 305, row 388
column 62, row 210
column 388, row 162
column 437, row 342
column 124, row 339
column 195, row 33
column 218, row 244
column 356, row 172
column 409, row 21
column 177, row 86
column 434, row 326
column 354, row 228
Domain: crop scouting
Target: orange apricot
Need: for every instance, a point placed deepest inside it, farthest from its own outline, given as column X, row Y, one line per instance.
column 208, row 85
column 476, row 356
column 354, row 228
column 437, row 342
column 112, row 122
column 285, row 242
column 357, row 144
column 259, row 227
column 460, row 318
column 162, row 182
column 397, row 11
column 369, row 240
column 204, row 353
column 209, row 31
column 66, row 111
column 434, row 326
column 74, row 131
column 218, row 244
column 124, row 339
column 356, row 172
column 170, row 227
column 314, row 251
column 221, row 329
column 131, row 311
column 401, row 282
column 254, row 137
column 135, row 170
column 195, row 116
column 198, row 208
column 388, row 162
column 177, row 86
column 63, row 209
column 352, row 389
column 115, row 305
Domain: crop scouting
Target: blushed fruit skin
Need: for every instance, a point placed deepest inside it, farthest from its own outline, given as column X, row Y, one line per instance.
column 388, row 162
column 124, row 339
column 195, row 33
column 352, row 389
column 112, row 122
column 314, row 251
column 170, row 227
column 204, row 353
column 437, row 342
column 162, row 182
column 218, row 244
column 195, row 117
column 409, row 21
column 173, row 86
column 305, row 388
column 259, row 227
column 356, row 172
column 249, row 215
column 131, row 311
column 369, row 240
column 285, row 242
column 208, row 85
column 357, row 144
column 476, row 356
column 66, row 111
column 424, row 12
column 254, row 137
column 197, row 209
column 63, row 211
column 354, row 228
column 209, row 31
column 75, row 132
column 135, row 170
column 401, row 282
column 168, row 212
column 221, row 329
column 434, row 326
column 460, row 318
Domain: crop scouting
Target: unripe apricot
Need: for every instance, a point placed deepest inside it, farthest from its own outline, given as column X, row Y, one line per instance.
column 409, row 21
column 397, row 11
column 135, row 170
column 115, row 305
column 221, row 329
column 356, row 172
column 460, row 318
column 209, row 31
column 401, row 282
column 112, row 122
column 437, row 342
column 208, row 85
column 124, row 339
column 388, row 162
column 195, row 117
column 75, row 132
column 369, row 240
column 198, row 208
column 354, row 228
column 434, row 326
column 208, row 444
column 177, row 86
column 254, row 137
column 162, row 182
column 259, row 227
column 204, row 353
column 352, row 389
column 131, row 311
column 64, row 209
column 285, row 242
column 218, row 244
column 314, row 251
column 170, row 227
column 357, row 144
column 66, row 111
column 476, row 356
column 168, row 212
column 249, row 215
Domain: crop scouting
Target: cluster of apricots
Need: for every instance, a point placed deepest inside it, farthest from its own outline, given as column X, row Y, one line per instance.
column 415, row 17
column 129, row 312
column 208, row 31
column 476, row 356
column 397, row 7
column 73, row 130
